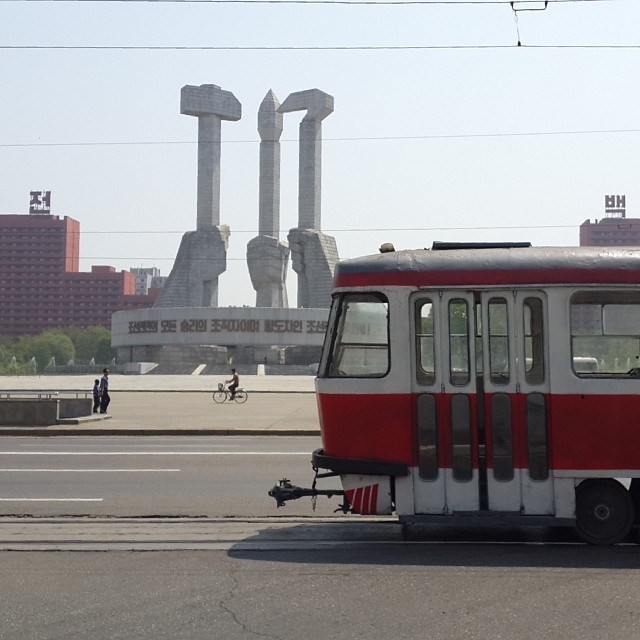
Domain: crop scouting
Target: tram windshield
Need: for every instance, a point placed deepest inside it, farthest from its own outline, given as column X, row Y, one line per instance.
column 359, row 344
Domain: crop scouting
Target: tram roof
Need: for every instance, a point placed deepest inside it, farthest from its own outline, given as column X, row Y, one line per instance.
column 492, row 266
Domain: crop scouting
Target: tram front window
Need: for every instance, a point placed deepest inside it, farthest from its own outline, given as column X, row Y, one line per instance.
column 360, row 341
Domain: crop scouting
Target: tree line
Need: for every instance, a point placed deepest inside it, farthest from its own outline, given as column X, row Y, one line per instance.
column 31, row 354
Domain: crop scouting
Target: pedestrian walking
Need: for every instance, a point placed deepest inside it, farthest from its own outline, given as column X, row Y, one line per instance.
column 96, row 395
column 104, row 391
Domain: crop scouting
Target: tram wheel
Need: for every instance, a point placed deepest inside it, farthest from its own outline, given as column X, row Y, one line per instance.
column 634, row 490
column 604, row 511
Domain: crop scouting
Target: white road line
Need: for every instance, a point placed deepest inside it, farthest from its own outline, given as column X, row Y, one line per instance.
column 51, row 499
column 91, row 470
column 155, row 453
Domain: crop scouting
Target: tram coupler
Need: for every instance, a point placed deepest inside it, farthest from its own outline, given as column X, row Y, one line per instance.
column 285, row 491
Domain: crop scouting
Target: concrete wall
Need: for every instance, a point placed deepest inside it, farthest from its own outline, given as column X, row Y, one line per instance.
column 74, row 407
column 42, row 411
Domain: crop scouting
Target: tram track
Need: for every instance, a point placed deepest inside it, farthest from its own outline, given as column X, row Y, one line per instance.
column 187, row 532
column 100, row 533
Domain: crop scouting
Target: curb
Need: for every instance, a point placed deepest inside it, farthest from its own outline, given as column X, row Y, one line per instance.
column 82, row 419
column 105, row 431
column 155, row 390
column 250, row 392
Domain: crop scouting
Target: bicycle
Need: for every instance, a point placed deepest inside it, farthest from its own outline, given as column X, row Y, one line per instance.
column 223, row 394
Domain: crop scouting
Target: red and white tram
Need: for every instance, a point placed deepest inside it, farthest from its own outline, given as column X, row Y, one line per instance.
column 497, row 381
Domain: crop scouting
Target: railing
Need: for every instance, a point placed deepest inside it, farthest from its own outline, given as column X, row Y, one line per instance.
column 42, row 394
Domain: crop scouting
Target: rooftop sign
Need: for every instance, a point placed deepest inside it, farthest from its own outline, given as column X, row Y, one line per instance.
column 40, row 202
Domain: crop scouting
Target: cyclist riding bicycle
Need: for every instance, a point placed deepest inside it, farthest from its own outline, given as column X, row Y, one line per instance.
column 235, row 383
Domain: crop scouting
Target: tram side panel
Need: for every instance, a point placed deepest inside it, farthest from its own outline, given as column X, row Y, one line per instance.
column 358, row 424
column 591, row 422
column 594, row 421
column 595, row 434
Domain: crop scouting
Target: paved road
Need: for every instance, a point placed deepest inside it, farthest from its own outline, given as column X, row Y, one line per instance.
column 344, row 578
column 223, row 476
column 439, row 591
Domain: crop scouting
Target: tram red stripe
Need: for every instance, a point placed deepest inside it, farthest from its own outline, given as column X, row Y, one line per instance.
column 349, row 496
column 366, row 500
column 425, row 278
column 585, row 431
column 373, row 509
column 357, row 500
column 374, row 427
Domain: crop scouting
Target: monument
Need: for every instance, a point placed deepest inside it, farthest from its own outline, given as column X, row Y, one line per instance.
column 202, row 256
column 314, row 254
column 186, row 327
column 267, row 257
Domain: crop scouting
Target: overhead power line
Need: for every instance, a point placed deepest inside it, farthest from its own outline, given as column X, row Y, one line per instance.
column 510, row 3
column 353, row 230
column 451, row 136
column 64, row 47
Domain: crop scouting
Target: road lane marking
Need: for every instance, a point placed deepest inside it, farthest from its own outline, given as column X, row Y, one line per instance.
column 155, row 453
column 90, row 470
column 51, row 499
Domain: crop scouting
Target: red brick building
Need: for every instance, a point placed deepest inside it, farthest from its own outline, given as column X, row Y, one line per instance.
column 41, row 286
column 610, row 232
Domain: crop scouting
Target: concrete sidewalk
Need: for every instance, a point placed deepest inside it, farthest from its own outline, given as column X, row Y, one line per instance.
column 182, row 405
column 265, row 384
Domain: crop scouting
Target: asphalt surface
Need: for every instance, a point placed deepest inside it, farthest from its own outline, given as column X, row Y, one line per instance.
column 374, row 592
column 129, row 476
column 181, row 405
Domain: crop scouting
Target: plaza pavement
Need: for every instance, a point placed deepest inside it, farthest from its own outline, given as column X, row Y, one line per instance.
column 265, row 384
column 181, row 405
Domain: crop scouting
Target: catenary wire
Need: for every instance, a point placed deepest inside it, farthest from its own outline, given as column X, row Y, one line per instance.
column 508, row 3
column 346, row 139
column 454, row 47
column 351, row 230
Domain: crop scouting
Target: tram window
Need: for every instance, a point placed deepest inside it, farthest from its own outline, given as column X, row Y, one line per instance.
column 605, row 334
column 326, row 346
column 427, row 437
column 459, row 364
column 498, row 341
column 425, row 339
column 501, row 437
column 533, row 341
column 461, row 437
column 537, row 437
column 360, row 347
column 478, row 336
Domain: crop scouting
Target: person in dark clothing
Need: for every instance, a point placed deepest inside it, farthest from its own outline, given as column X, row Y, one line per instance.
column 235, row 383
column 104, row 391
column 96, row 395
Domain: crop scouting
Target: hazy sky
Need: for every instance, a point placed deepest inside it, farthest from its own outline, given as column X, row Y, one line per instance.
column 423, row 145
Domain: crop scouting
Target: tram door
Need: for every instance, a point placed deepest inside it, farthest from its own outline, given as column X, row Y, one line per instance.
column 532, row 453
column 473, row 440
column 497, row 387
